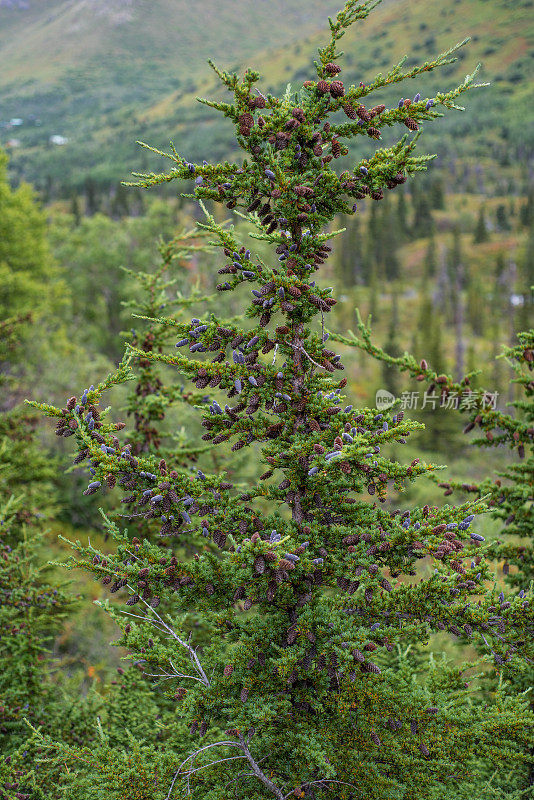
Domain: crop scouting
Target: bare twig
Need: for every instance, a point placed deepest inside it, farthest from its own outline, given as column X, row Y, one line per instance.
column 193, row 756
column 211, row 763
column 192, row 653
column 257, row 771
column 175, row 778
column 302, row 350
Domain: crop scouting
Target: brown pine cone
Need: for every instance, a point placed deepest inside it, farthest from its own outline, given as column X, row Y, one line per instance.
column 337, row 89
column 332, row 69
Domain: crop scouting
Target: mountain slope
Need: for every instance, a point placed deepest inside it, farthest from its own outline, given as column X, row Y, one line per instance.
column 122, row 70
column 40, row 44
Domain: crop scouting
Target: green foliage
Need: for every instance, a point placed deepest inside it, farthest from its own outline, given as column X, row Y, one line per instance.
column 305, row 600
column 509, row 495
column 31, row 607
column 30, row 282
column 481, row 230
column 150, row 400
column 27, row 274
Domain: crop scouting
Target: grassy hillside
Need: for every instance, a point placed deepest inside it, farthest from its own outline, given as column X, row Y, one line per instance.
column 106, row 74
column 79, row 66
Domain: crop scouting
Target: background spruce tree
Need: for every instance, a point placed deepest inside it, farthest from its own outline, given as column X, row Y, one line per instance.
column 509, row 495
column 390, row 375
column 130, row 714
column 481, row 230
column 31, row 605
column 151, row 396
column 299, row 689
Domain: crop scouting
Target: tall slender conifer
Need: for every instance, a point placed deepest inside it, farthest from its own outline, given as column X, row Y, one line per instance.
column 301, row 688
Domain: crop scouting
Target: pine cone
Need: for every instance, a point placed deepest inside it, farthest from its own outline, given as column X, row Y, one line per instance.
column 259, row 565
column 337, row 89
column 332, row 69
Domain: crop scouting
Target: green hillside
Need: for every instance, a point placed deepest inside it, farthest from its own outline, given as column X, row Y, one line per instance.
column 104, row 74
column 78, row 66
column 43, row 42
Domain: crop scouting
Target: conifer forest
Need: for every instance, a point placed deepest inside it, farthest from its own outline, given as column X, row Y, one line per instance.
column 266, row 400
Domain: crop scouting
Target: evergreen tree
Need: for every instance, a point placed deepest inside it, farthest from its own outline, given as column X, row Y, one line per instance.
column 390, row 243
column 300, row 670
column 423, row 221
column 33, row 297
column 119, row 206
column 430, row 258
column 93, row 253
column 455, row 259
column 352, row 269
column 477, row 307
column 526, row 214
column 437, row 195
column 509, row 496
column 402, row 216
column 481, row 230
column 501, row 219
column 92, row 199
column 440, row 429
column 383, row 241
column 75, row 209
column 31, row 607
column 373, row 247
column 390, row 375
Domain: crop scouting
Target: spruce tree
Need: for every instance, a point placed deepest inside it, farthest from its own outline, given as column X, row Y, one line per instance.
column 298, row 690
column 352, row 266
column 390, row 375
column 437, row 194
column 402, row 215
column 481, row 230
column 31, row 606
column 423, row 221
column 509, row 495
column 501, row 219
column 151, row 397
column 526, row 213
column 430, row 261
